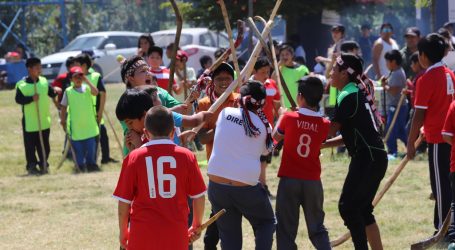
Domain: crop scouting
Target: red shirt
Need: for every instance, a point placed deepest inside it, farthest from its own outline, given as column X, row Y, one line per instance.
column 273, row 95
column 157, row 179
column 449, row 129
column 434, row 94
column 162, row 77
column 62, row 81
column 304, row 132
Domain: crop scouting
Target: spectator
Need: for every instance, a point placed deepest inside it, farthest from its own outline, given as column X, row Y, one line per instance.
column 206, row 62
column 382, row 45
column 412, row 37
column 144, row 43
column 366, row 41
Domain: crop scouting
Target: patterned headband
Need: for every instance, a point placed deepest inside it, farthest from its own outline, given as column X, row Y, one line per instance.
column 138, row 64
column 341, row 62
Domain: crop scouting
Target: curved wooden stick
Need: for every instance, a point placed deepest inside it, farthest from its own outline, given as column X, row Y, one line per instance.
column 272, row 57
column 179, row 22
column 115, row 133
column 229, row 32
column 427, row 243
column 340, row 240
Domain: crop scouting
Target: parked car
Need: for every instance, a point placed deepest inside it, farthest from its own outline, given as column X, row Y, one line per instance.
column 197, row 42
column 105, row 45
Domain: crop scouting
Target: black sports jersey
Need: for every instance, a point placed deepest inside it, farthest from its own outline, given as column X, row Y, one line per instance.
column 358, row 126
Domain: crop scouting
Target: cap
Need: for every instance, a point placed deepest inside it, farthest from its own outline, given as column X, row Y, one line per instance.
column 181, row 54
column 412, row 31
column 223, row 67
column 76, row 70
column 89, row 52
column 338, row 27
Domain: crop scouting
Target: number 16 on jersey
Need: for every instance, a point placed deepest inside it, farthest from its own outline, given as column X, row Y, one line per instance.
column 161, row 177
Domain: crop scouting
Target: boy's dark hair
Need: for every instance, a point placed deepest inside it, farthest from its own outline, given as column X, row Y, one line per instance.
column 386, row 25
column 147, row 37
column 414, row 57
column 261, row 62
column 219, row 52
column 132, row 104
column 394, row 55
column 348, row 46
column 255, row 89
column 159, row 121
column 288, row 48
column 433, row 46
column 69, row 61
column 84, row 59
column 204, row 60
column 157, row 49
column 311, row 88
column 32, row 62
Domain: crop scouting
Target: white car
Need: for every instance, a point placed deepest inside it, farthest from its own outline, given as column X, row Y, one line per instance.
column 105, row 45
column 197, row 42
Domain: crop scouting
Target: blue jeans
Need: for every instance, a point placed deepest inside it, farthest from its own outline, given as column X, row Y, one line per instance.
column 399, row 129
column 250, row 202
column 85, row 151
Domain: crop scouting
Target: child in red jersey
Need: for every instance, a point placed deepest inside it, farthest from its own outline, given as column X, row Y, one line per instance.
column 433, row 95
column 447, row 134
column 156, row 181
column 300, row 183
column 155, row 59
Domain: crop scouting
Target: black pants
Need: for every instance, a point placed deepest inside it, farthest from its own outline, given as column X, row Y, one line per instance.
column 451, row 231
column 32, row 144
column 439, row 163
column 211, row 237
column 104, row 141
column 366, row 171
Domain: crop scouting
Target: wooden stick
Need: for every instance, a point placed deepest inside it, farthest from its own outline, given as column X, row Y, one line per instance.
column 427, row 243
column 395, row 116
column 212, row 219
column 229, row 32
column 246, row 72
column 115, row 133
column 340, row 240
column 179, row 22
column 185, row 89
column 272, row 57
column 65, row 153
column 40, row 131
column 222, row 58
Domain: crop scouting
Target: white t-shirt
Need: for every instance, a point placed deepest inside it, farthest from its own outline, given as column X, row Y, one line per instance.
column 235, row 155
column 386, row 47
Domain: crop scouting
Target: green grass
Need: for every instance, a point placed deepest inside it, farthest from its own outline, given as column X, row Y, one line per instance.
column 67, row 211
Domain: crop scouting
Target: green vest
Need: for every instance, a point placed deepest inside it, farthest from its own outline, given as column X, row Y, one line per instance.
column 333, row 93
column 94, row 77
column 291, row 76
column 30, row 112
column 81, row 119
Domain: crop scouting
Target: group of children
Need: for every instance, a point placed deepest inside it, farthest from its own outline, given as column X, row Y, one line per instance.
column 80, row 96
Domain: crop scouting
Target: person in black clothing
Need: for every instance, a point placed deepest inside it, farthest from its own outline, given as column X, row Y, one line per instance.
column 357, row 120
column 206, row 62
column 32, row 92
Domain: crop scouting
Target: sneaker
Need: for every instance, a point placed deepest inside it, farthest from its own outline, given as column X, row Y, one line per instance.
column 109, row 160
column 391, row 157
column 33, row 171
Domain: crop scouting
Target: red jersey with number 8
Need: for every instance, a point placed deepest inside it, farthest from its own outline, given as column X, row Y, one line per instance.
column 157, row 180
column 304, row 132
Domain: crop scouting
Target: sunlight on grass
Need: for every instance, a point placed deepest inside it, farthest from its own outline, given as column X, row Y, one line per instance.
column 68, row 211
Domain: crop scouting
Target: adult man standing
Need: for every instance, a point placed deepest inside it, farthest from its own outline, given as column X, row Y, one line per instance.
column 412, row 37
column 384, row 44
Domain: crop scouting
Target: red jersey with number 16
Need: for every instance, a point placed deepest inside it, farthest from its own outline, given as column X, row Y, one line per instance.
column 304, row 131
column 157, row 179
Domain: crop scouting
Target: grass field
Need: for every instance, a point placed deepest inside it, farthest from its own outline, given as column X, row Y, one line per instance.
column 75, row 211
